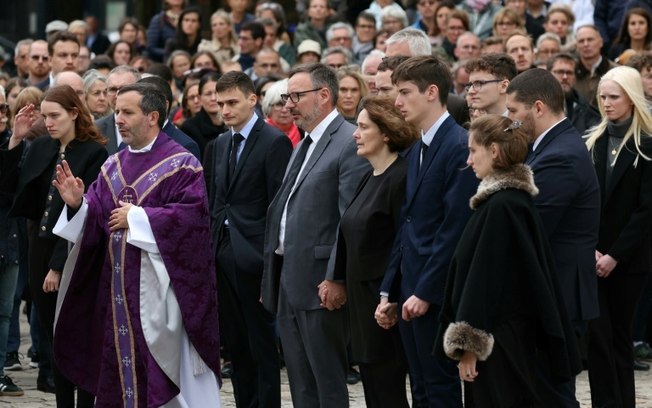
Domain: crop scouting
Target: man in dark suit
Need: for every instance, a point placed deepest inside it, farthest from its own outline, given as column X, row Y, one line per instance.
column 247, row 166
column 119, row 77
column 301, row 228
column 434, row 214
column 168, row 127
column 568, row 200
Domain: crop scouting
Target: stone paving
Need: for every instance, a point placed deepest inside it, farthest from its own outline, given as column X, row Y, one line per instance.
column 26, row 379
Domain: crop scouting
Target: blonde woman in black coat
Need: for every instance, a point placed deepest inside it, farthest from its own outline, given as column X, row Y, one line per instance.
column 621, row 147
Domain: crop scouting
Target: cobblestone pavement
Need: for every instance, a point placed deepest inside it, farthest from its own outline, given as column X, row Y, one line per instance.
column 26, row 379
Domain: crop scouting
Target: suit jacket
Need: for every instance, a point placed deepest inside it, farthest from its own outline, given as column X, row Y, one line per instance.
column 106, row 126
column 32, row 181
column 323, row 191
column 183, row 139
column 626, row 213
column 244, row 199
column 569, row 204
column 433, row 216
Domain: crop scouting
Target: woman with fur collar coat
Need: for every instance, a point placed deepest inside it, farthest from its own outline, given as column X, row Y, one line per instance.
column 502, row 302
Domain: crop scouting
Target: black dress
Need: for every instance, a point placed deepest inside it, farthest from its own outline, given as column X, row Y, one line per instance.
column 502, row 301
column 366, row 234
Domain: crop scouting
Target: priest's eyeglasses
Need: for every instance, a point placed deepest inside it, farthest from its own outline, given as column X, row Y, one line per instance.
column 295, row 96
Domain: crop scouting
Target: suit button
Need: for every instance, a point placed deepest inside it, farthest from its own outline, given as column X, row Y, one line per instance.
column 49, row 198
column 43, row 228
column 408, row 219
column 45, row 214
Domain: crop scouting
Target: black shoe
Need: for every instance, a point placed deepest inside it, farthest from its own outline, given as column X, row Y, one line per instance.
column 353, row 376
column 45, row 384
column 12, row 362
column 227, row 370
column 641, row 366
column 8, row 388
column 643, row 351
column 34, row 360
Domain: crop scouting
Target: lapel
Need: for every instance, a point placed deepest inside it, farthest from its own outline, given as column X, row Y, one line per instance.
column 319, row 148
column 420, row 170
column 250, row 142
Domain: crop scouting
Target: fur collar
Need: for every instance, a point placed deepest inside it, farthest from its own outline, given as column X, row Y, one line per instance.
column 518, row 176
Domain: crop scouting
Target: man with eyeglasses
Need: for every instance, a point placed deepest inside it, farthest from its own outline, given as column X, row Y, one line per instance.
column 39, row 64
column 302, row 220
column 341, row 35
column 118, row 78
column 468, row 46
column 489, row 77
column 336, row 57
column 581, row 114
column 250, row 41
column 365, row 32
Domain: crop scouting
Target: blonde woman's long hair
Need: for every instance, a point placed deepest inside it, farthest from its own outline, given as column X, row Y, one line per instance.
column 629, row 79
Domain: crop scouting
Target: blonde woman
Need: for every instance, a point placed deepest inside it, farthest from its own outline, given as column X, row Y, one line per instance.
column 224, row 41
column 621, row 147
column 352, row 89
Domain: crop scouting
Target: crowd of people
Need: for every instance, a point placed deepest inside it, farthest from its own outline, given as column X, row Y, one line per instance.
column 454, row 193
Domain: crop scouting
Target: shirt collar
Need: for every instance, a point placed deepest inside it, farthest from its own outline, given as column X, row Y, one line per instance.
column 143, row 149
column 429, row 135
column 545, row 132
column 246, row 129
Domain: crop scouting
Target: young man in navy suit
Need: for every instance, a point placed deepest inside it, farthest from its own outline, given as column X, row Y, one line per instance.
column 568, row 200
column 435, row 212
column 247, row 164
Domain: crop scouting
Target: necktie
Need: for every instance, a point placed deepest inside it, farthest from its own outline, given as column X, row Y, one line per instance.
column 298, row 161
column 233, row 158
column 424, row 150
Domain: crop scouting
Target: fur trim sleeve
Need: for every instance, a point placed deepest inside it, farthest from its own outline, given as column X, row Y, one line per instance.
column 461, row 336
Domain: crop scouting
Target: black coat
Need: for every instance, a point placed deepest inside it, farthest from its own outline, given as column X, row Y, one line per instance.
column 502, row 299
column 201, row 129
column 33, row 179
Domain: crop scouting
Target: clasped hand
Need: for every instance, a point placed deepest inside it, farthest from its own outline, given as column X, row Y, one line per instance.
column 332, row 294
column 386, row 313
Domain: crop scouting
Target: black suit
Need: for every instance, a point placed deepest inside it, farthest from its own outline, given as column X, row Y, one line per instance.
column 183, row 139
column 626, row 218
column 100, row 44
column 242, row 199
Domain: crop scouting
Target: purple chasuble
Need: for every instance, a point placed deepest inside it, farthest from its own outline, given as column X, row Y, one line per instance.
column 99, row 343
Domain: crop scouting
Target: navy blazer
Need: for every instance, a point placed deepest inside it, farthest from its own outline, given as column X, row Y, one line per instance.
column 183, row 139
column 244, row 199
column 433, row 216
column 569, row 204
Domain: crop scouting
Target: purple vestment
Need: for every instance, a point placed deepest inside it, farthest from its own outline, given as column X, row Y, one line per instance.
column 99, row 343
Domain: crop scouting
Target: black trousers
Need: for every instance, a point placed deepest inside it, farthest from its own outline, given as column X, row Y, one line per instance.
column 39, row 253
column 247, row 331
column 610, row 351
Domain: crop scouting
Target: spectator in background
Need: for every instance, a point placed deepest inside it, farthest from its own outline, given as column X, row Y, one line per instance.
column 120, row 52
column 521, row 49
column 442, row 11
column 102, row 63
column 188, row 33
column 179, row 64
column 352, row 88
column 279, row 39
column 369, row 69
column 460, row 78
column 308, row 51
column 591, row 64
column 393, row 19
column 336, row 57
column 363, row 40
column 314, row 28
column 80, row 29
column 635, row 33
column 84, row 59
column 377, row 6
column 641, row 62
column 492, row 45
column 506, row 22
column 468, row 46
column 238, row 13
column 96, row 94
column 250, row 41
column 560, row 20
column 532, row 27
column 204, row 60
column 39, row 64
column 224, row 40
column 489, row 77
column 284, row 49
column 457, row 23
column 480, row 15
column 162, row 27
column 276, row 114
column 267, row 62
column 21, row 57
column 13, row 88
column 383, row 77
column 427, row 21
column 548, row 45
column 340, row 35
column 128, row 31
column 582, row 115
column 96, row 41
column 190, row 104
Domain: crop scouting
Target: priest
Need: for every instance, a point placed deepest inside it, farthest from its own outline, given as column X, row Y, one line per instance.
column 136, row 321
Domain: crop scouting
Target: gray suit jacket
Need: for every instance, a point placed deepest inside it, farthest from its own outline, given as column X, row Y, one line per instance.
column 106, row 126
column 323, row 191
